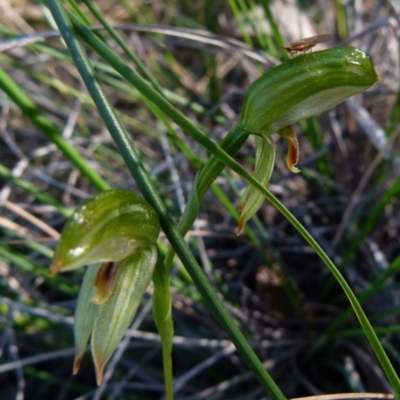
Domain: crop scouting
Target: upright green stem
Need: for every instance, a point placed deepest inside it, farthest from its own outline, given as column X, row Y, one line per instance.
column 162, row 304
column 366, row 325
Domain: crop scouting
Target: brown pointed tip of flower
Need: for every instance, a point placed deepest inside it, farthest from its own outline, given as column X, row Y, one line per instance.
column 240, row 207
column 77, row 364
column 293, row 168
column 240, row 226
column 292, row 156
column 100, row 373
column 55, row 267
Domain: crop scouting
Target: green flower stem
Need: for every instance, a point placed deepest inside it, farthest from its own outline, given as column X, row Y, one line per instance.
column 131, row 158
column 365, row 324
column 376, row 286
column 211, row 170
column 162, row 304
column 29, row 108
column 232, row 143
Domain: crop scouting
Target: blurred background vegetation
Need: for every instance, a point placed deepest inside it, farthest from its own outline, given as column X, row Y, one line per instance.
column 204, row 55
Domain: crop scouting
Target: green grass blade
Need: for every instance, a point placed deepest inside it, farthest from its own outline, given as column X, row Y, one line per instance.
column 239, row 20
column 162, row 305
column 114, row 34
column 33, row 190
column 275, row 30
column 48, row 129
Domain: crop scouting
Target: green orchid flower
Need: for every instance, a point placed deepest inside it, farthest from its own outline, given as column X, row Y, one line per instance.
column 118, row 229
column 300, row 88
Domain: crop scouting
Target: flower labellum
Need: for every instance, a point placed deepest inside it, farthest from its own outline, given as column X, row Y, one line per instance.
column 292, row 156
